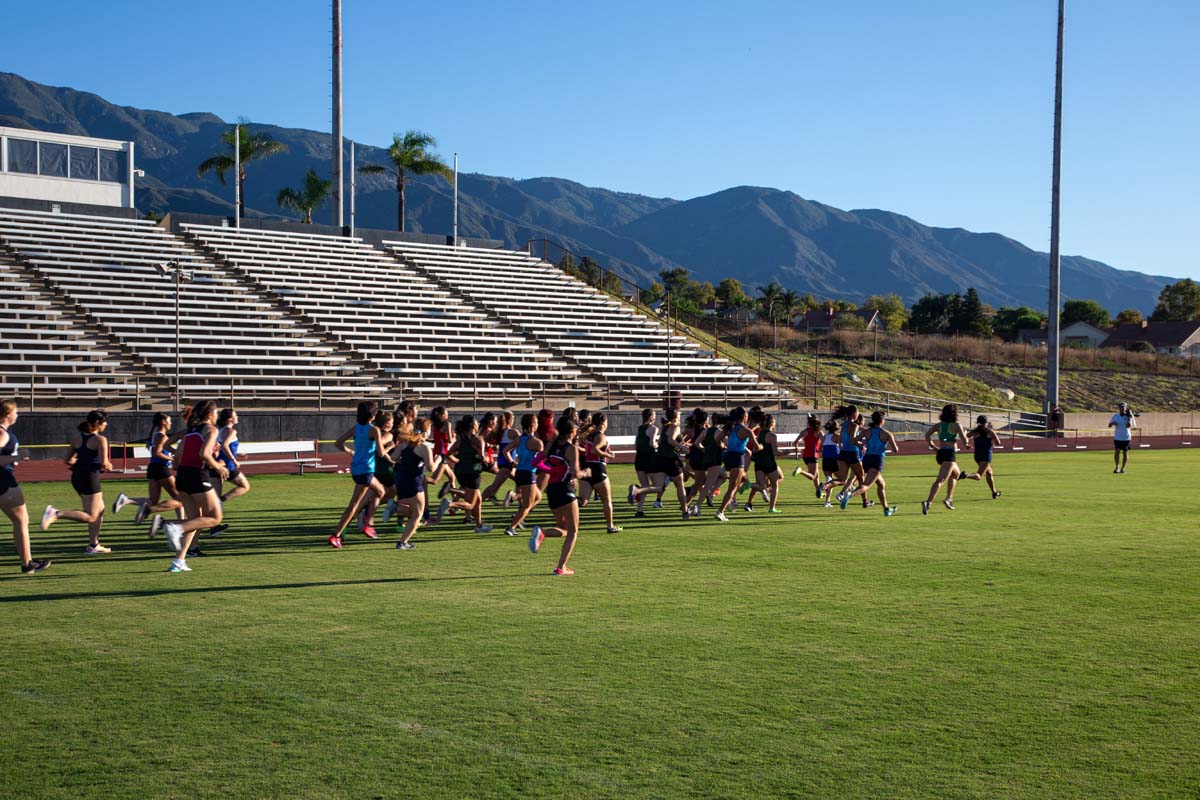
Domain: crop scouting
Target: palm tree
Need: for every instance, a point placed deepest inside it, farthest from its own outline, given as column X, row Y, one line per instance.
column 409, row 154
column 769, row 297
column 315, row 191
column 251, row 148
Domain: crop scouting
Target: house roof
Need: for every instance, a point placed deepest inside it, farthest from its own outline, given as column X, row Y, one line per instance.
column 1158, row 334
column 823, row 318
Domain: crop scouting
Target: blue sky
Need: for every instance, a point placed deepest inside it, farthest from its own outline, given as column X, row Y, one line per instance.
column 938, row 109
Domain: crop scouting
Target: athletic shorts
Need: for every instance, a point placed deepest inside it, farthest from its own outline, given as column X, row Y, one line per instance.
column 645, row 464
column 766, row 467
column 810, row 461
column 560, row 494
column 385, row 476
column 849, row 457
column 364, row 479
column 523, row 477
column 157, row 472
column 982, row 459
column 233, row 473
column 872, row 462
column 830, row 466
column 467, row 480
column 732, row 461
column 696, row 461
column 408, row 488
column 7, row 481
column 85, row 483
column 669, row 467
column 214, row 478
column 599, row 470
column 946, row 455
column 193, row 480
column 504, row 462
column 1120, row 444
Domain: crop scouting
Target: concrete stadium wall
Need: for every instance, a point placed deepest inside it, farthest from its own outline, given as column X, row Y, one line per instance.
column 1154, row 424
column 30, row 204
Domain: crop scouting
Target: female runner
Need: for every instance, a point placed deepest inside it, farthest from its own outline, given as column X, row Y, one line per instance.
column 711, row 463
column 367, row 449
column 596, row 455
column 442, row 435
column 561, row 463
column 829, row 460
column 875, row 442
column 806, row 448
column 87, row 459
column 948, row 432
column 738, row 440
column 471, row 451
column 158, row 476
column 505, row 435
column 12, row 499
column 197, row 475
column 767, row 475
column 985, row 441
column 385, row 421
column 413, row 457
column 645, row 462
column 522, row 453
column 669, row 464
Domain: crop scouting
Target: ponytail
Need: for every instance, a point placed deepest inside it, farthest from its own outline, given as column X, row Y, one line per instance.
column 94, row 420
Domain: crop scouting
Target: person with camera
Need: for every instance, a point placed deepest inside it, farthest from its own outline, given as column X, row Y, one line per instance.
column 1122, row 422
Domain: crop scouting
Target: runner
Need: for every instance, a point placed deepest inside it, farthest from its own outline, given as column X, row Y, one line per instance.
column 505, row 435
column 985, row 441
column 645, row 462
column 12, row 499
column 830, row 465
column 767, row 475
column 413, row 457
column 948, row 432
column 197, row 475
column 668, row 469
column 386, row 423
column 738, row 440
column 875, row 442
column 367, row 449
column 87, row 458
column 561, row 463
column 1121, row 423
column 158, row 477
column 806, row 445
column 596, row 454
column 471, row 451
column 711, row 463
column 441, row 432
column 522, row 453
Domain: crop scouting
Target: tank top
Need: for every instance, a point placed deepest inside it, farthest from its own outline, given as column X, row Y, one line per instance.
column 829, row 446
column 591, row 454
column 696, row 448
column 735, row 443
column 848, row 443
column 876, row 446
column 441, row 441
column 808, row 447
column 86, row 459
column 712, row 448
column 9, row 449
column 666, row 446
column 222, row 437
column 643, row 445
column 468, row 459
column 363, row 462
column 983, row 444
column 409, row 467
column 505, row 439
column 946, row 436
column 558, row 465
column 162, row 462
column 524, row 456
column 190, row 454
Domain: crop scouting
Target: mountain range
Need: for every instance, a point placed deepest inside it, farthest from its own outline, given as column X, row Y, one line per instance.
column 756, row 234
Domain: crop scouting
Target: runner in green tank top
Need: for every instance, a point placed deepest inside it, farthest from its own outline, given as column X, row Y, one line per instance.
column 948, row 432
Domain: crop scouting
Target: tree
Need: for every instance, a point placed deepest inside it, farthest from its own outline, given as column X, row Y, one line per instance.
column 1010, row 320
column 932, row 313
column 891, row 310
column 303, row 201
column 251, row 147
column 1130, row 316
column 968, row 318
column 1178, row 302
column 409, row 155
column 731, row 294
column 589, row 271
column 768, row 300
column 849, row 322
column 675, row 280
column 1088, row 311
column 653, row 294
column 789, row 304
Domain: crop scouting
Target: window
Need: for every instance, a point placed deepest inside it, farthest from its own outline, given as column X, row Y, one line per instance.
column 22, row 156
column 52, row 160
column 113, row 166
column 84, row 163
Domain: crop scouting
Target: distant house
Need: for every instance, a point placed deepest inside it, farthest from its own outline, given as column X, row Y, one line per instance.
column 1171, row 338
column 1077, row 334
column 824, row 320
column 715, row 308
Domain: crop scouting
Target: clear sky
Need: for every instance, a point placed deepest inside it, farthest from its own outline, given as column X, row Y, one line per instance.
column 938, row 109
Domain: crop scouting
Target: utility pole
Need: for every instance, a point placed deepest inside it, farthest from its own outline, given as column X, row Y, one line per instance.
column 336, row 174
column 1052, row 334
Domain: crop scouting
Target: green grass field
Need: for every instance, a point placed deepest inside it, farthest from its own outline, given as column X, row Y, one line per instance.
column 1043, row 645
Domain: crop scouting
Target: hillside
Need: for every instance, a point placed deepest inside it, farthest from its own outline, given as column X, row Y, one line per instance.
column 756, row 234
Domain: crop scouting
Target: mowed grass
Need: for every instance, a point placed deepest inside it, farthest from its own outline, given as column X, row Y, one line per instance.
column 1043, row 645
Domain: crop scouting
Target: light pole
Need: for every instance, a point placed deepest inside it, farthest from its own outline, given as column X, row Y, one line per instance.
column 179, row 275
column 1052, row 320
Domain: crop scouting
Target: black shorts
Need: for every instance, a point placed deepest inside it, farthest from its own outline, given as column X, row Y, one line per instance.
column 7, row 481
column 872, row 462
column 599, row 471
column 407, row 488
column 983, row 458
column 364, row 478
column 157, row 472
column 384, row 476
column 732, row 460
column 669, row 467
column 810, row 461
column 946, row 454
column 85, row 483
column 523, row 477
column 849, row 457
column 560, row 494
column 830, row 466
column 696, row 460
column 766, row 466
column 193, row 480
column 645, row 464
column 467, row 480
column 1119, row 444
column 233, row 473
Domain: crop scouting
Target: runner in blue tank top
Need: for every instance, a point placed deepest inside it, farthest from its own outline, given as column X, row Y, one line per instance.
column 362, row 468
column 876, row 441
column 522, row 452
column 850, row 468
column 985, row 441
column 158, row 478
column 738, row 440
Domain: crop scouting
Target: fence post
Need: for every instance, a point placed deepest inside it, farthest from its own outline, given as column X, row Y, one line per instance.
column 321, row 394
column 32, row 393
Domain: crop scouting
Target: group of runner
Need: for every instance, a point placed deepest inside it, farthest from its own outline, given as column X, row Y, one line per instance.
column 425, row 470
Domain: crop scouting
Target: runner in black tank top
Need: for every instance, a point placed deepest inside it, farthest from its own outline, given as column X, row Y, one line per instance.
column 562, row 465
column 12, row 499
column 87, row 458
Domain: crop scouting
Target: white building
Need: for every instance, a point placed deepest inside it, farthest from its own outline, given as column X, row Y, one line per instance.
column 57, row 167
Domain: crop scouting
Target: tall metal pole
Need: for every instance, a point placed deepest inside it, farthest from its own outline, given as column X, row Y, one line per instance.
column 353, row 184
column 456, row 199
column 178, row 278
column 336, row 175
column 1052, row 335
column 237, row 176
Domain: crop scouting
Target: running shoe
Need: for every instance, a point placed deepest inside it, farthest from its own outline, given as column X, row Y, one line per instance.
column 140, row 515
column 120, row 502
column 629, row 497
column 819, row 493
column 370, row 533
column 335, row 542
column 155, row 525
column 843, row 499
column 510, row 531
column 640, row 514
column 888, row 511
column 536, row 538
column 748, row 507
column 218, row 530
column 996, row 494
column 868, row 504
column 174, row 535
column 774, row 510
column 194, row 552
column 509, row 498
column 828, row 504
column 1122, row 470
column 179, row 565
column 483, row 528
column 563, row 571
column 695, row 509
column 708, row 501
column 443, row 507
column 35, row 566
column 1116, row 472
column 658, row 503
column 925, row 507
column 615, row 529
column 404, row 545
column 97, row 550
column 796, row 472
column 48, row 516
column 948, row 503
column 389, row 511
column 721, row 517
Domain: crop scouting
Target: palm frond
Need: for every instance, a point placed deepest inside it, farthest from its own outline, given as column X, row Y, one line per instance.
column 290, row 198
column 219, row 164
column 373, row 169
